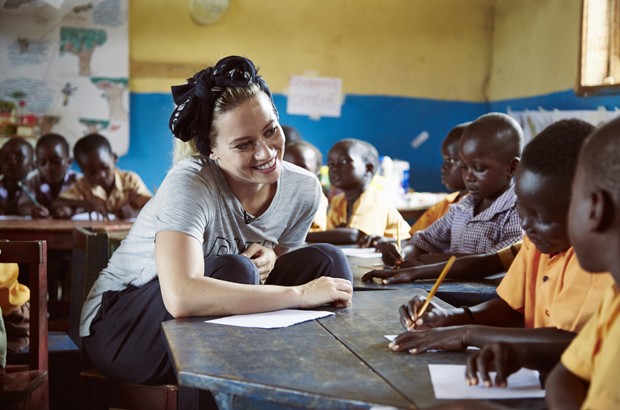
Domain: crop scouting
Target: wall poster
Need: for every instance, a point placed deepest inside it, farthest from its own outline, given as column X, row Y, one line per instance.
column 64, row 68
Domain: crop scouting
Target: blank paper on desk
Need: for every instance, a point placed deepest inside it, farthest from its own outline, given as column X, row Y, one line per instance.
column 271, row 320
column 449, row 383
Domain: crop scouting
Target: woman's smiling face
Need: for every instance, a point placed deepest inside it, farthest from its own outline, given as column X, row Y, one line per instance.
column 250, row 143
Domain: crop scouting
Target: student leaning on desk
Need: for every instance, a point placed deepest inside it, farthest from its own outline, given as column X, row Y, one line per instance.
column 224, row 220
column 546, row 297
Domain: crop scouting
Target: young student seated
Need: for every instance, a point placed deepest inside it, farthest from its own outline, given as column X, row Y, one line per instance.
column 545, row 290
column 52, row 176
column 586, row 376
column 307, row 156
column 486, row 220
column 104, row 188
column 451, row 177
column 361, row 210
column 16, row 157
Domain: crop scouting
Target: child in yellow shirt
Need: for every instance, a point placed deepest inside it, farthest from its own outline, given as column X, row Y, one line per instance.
column 546, row 296
column 587, row 375
column 104, row 188
column 360, row 210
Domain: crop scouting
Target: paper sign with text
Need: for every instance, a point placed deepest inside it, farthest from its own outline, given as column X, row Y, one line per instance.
column 315, row 96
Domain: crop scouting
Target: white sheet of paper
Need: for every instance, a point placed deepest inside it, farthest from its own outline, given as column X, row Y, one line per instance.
column 93, row 216
column 449, row 383
column 271, row 320
column 392, row 337
column 368, row 253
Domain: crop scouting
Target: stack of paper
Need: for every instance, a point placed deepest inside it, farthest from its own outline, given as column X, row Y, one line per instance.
column 363, row 260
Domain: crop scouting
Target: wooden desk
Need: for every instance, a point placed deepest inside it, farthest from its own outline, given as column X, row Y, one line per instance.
column 57, row 232
column 338, row 362
column 455, row 292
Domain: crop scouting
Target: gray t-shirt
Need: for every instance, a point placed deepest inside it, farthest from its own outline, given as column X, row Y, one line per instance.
column 194, row 198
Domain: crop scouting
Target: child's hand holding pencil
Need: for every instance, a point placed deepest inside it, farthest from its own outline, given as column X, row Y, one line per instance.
column 412, row 313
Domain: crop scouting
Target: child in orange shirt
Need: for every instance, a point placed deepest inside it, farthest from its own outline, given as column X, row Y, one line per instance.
column 360, row 210
column 545, row 289
column 588, row 372
column 452, row 178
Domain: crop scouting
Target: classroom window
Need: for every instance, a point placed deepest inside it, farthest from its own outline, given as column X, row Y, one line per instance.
column 600, row 46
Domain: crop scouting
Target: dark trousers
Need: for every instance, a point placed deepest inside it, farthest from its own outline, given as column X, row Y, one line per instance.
column 126, row 341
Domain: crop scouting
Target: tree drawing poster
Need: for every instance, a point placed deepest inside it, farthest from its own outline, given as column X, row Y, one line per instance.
column 66, row 64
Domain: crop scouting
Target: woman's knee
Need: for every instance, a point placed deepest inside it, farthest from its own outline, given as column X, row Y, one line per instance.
column 232, row 268
column 337, row 263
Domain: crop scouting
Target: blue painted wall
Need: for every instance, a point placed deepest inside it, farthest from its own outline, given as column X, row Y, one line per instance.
column 390, row 123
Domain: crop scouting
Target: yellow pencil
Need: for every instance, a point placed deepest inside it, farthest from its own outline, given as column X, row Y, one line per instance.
column 398, row 237
column 440, row 279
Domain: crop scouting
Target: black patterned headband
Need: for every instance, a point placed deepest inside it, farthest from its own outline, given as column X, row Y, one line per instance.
column 195, row 100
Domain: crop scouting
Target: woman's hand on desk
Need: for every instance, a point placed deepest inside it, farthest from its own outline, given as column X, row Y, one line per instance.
column 323, row 290
column 263, row 258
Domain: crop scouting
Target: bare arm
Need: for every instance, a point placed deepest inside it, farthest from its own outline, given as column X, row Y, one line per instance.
column 187, row 292
column 336, row 236
column 564, row 389
column 465, row 267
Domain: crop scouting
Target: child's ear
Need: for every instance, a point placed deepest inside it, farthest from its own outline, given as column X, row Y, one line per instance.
column 370, row 168
column 513, row 165
column 213, row 156
column 602, row 211
column 115, row 157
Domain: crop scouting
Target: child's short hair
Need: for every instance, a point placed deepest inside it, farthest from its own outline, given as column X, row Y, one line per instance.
column 53, row 139
column 507, row 141
column 368, row 151
column 554, row 152
column 304, row 144
column 90, row 143
column 291, row 135
column 454, row 135
column 599, row 159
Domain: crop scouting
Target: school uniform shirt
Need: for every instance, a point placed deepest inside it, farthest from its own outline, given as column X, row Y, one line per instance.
column 509, row 253
column 195, row 199
column 125, row 183
column 320, row 219
column 372, row 215
column 460, row 231
column 552, row 290
column 594, row 355
column 42, row 190
column 435, row 212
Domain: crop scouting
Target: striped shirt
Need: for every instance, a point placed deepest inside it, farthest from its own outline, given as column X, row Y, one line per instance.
column 460, row 231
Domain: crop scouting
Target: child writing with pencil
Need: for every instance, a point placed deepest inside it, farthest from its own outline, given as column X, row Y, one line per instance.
column 16, row 157
column 545, row 290
column 53, row 175
column 360, row 210
column 588, row 372
column 104, row 188
column 486, row 220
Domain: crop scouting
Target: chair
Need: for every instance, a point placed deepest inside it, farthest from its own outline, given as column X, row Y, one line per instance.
column 27, row 386
column 90, row 255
